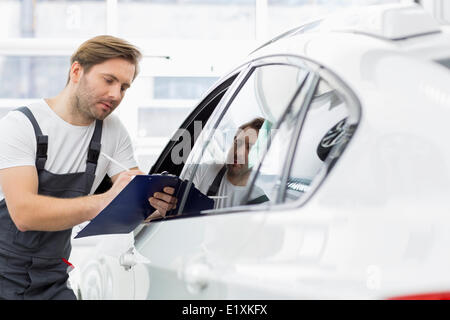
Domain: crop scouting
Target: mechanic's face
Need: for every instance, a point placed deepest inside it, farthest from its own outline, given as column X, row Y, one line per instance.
column 237, row 159
column 103, row 87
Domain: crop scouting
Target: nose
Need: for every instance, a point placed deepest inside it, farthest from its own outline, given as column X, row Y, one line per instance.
column 115, row 92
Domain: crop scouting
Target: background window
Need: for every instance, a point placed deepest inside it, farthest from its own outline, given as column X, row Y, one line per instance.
column 187, row 19
column 27, row 77
column 160, row 121
column 181, row 87
column 52, row 18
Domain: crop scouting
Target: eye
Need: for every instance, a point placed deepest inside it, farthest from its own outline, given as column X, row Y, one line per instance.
column 108, row 80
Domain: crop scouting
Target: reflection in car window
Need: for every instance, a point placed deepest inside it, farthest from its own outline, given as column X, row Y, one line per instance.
column 271, row 168
column 325, row 128
column 220, row 167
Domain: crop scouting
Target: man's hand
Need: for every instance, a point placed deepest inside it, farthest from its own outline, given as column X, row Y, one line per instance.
column 163, row 201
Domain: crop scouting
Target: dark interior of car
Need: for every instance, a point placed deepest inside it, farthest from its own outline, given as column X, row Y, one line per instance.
column 202, row 114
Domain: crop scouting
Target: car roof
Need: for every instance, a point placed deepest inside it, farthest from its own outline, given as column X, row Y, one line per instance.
column 389, row 22
column 352, row 42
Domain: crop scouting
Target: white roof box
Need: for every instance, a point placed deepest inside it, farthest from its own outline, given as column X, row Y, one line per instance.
column 393, row 22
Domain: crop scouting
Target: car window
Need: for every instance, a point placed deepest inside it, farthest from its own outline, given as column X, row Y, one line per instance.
column 222, row 161
column 269, row 174
column 323, row 133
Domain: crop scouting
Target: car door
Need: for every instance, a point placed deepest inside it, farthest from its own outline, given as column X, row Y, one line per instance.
column 191, row 256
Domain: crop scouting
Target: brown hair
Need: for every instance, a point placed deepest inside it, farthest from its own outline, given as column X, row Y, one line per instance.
column 101, row 48
column 255, row 124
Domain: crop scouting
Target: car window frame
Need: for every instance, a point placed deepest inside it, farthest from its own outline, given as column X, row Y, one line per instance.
column 303, row 111
column 251, row 67
column 352, row 102
column 322, row 72
column 218, row 88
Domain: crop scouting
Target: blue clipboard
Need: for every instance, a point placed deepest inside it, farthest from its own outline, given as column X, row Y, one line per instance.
column 131, row 207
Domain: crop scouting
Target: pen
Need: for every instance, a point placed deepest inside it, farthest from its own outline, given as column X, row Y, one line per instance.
column 114, row 161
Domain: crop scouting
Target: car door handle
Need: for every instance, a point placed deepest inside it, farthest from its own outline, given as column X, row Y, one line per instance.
column 132, row 257
column 196, row 276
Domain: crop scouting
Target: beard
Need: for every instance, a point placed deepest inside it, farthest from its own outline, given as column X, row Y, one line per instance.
column 237, row 170
column 85, row 103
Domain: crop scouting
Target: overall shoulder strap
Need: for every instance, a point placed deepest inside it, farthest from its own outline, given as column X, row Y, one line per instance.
column 214, row 188
column 94, row 148
column 42, row 140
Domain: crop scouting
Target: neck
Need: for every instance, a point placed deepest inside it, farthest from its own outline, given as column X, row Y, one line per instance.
column 65, row 105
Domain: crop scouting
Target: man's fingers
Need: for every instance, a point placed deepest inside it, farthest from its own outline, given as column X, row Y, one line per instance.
column 165, row 197
column 134, row 172
column 161, row 206
column 155, row 215
column 169, row 190
column 164, row 201
column 129, row 175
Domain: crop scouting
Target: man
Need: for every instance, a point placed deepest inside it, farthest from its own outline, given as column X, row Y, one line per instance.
column 227, row 182
column 50, row 167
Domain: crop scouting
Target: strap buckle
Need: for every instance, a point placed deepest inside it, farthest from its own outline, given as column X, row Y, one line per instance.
column 42, row 146
column 94, row 152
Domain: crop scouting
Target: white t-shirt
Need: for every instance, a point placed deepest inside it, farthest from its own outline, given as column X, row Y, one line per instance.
column 67, row 144
column 233, row 195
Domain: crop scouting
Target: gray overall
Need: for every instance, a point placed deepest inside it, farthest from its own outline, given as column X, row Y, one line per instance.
column 31, row 262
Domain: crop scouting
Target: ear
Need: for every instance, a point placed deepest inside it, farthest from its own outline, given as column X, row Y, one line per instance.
column 76, row 71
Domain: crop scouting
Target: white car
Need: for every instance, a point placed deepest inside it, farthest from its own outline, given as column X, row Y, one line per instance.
column 353, row 157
